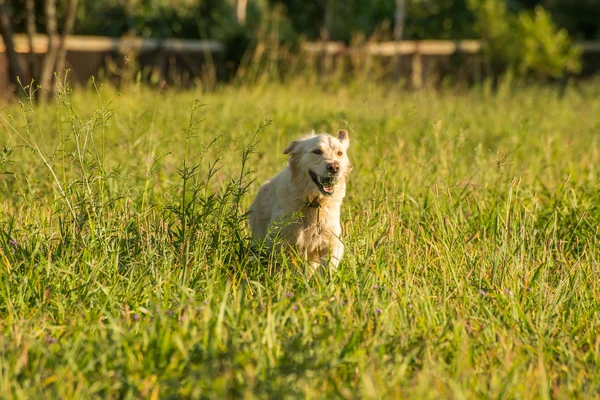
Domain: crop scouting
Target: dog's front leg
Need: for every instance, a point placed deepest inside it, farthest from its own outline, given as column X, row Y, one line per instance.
column 333, row 259
column 313, row 268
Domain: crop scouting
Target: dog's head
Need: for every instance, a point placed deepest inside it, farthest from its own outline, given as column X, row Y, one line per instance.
column 322, row 158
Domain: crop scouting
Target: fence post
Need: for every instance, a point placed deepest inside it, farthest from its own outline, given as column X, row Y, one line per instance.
column 417, row 69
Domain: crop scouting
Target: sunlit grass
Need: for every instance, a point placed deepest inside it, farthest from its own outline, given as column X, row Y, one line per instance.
column 471, row 232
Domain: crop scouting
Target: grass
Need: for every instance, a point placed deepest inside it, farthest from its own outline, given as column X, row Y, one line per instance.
column 471, row 231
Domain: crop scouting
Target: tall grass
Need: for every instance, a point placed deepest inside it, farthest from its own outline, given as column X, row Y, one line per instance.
column 470, row 224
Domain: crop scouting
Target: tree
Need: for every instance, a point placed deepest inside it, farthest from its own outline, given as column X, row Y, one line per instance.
column 525, row 43
column 399, row 31
column 240, row 11
column 30, row 28
column 55, row 57
column 6, row 30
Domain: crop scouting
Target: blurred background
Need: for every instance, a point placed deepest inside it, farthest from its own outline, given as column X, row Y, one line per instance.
column 204, row 43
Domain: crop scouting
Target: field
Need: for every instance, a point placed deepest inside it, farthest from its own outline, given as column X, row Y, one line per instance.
column 471, row 231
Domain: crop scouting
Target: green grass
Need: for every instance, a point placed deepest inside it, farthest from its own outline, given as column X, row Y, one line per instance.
column 471, row 231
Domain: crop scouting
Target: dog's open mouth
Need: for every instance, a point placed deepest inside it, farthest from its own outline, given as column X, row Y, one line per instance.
column 326, row 184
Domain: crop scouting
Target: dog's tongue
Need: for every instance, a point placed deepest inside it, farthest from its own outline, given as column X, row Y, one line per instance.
column 328, row 188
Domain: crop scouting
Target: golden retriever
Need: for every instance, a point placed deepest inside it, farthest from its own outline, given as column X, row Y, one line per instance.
column 301, row 205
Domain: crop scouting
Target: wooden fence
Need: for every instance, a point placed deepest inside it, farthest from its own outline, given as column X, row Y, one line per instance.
column 87, row 55
column 107, row 44
column 419, row 51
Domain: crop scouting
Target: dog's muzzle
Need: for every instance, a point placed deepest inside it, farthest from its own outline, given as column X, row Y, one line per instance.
column 325, row 184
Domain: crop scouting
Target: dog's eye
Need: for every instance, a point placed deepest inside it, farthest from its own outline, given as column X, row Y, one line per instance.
column 340, row 153
column 317, row 151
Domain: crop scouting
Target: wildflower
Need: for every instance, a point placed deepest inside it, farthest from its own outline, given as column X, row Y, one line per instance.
column 295, row 307
column 261, row 307
column 50, row 340
column 482, row 293
column 375, row 286
column 13, row 242
column 289, row 295
column 135, row 317
column 169, row 312
column 379, row 310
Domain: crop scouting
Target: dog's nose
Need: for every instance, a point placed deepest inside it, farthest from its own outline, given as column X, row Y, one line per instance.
column 333, row 168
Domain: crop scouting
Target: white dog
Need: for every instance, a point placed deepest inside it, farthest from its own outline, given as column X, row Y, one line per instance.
column 301, row 205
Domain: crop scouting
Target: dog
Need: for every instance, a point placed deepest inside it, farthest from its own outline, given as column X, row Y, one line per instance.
column 301, row 205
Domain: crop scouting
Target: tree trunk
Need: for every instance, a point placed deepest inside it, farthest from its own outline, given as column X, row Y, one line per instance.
column 14, row 67
column 54, row 60
column 69, row 24
column 52, row 53
column 399, row 33
column 30, row 25
column 240, row 11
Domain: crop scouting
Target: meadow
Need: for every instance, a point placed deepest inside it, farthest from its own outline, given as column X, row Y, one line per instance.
column 470, row 225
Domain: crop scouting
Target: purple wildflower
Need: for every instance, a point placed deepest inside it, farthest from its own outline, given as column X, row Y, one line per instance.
column 261, row 307
column 289, row 295
column 13, row 243
column 295, row 307
column 375, row 286
column 50, row 340
column 482, row 293
column 379, row 310
column 169, row 313
column 135, row 317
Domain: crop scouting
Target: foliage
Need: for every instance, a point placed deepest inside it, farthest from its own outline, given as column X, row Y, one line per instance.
column 440, row 19
column 349, row 18
column 471, row 231
column 426, row 19
column 525, row 43
column 579, row 17
column 547, row 52
column 157, row 18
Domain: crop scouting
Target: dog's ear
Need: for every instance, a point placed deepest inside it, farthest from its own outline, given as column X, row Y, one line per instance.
column 291, row 147
column 344, row 138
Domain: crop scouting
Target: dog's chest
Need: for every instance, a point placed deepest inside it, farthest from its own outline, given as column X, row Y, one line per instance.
column 313, row 234
column 310, row 239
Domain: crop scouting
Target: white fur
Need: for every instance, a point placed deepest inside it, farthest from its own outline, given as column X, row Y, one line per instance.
column 280, row 207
